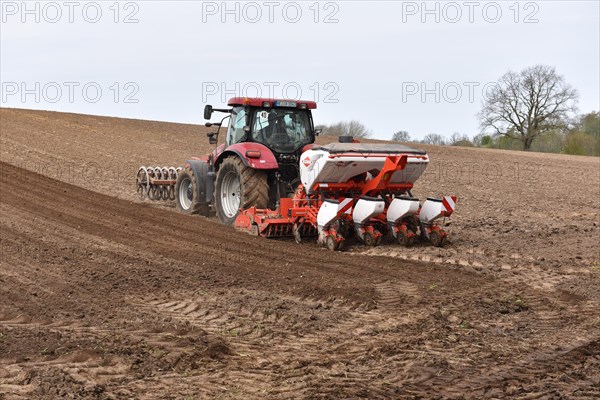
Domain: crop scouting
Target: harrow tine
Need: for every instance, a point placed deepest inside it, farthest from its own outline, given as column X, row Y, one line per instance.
column 143, row 182
column 147, row 186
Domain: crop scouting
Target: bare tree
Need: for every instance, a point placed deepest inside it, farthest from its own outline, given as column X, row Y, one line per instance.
column 457, row 137
column 401, row 136
column 434, row 138
column 524, row 105
column 347, row 128
column 356, row 129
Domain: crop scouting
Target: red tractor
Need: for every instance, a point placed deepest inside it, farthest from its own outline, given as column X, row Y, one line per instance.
column 257, row 164
column 270, row 179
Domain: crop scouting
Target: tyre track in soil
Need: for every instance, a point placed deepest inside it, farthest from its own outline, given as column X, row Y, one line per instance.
column 325, row 325
column 345, row 348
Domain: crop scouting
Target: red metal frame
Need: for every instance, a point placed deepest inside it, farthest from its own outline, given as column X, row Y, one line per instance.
column 304, row 209
column 298, row 215
column 259, row 101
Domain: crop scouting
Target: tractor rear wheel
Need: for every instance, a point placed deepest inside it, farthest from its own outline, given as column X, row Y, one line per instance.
column 239, row 187
column 186, row 194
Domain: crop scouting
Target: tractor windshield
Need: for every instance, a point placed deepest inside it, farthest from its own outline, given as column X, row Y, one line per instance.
column 283, row 130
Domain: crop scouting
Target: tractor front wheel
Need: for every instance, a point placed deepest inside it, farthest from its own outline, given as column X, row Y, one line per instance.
column 239, row 187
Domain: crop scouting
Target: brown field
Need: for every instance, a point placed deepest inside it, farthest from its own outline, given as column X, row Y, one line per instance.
column 104, row 296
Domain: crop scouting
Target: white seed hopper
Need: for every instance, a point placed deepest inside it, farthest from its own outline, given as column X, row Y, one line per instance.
column 340, row 162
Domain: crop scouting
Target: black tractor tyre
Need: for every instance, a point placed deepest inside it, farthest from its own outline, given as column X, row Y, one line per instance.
column 186, row 194
column 253, row 189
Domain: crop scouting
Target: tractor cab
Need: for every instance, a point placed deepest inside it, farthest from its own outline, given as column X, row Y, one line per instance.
column 284, row 126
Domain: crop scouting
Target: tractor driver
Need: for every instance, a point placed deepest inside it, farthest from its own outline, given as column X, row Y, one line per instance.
column 275, row 125
column 275, row 132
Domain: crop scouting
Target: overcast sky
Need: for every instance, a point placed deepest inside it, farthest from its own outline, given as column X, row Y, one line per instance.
column 414, row 66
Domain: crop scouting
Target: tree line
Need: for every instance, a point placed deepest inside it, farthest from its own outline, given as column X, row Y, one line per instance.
column 531, row 110
column 580, row 137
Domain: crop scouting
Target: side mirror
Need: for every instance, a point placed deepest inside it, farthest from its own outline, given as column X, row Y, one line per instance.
column 212, row 137
column 318, row 132
column 208, row 110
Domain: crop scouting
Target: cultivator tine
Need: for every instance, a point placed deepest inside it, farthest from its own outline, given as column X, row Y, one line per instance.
column 281, row 230
column 308, row 230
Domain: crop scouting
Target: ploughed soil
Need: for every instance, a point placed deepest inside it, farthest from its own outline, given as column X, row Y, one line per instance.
column 106, row 296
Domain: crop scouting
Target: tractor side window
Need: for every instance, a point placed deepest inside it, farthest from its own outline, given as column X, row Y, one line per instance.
column 236, row 127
